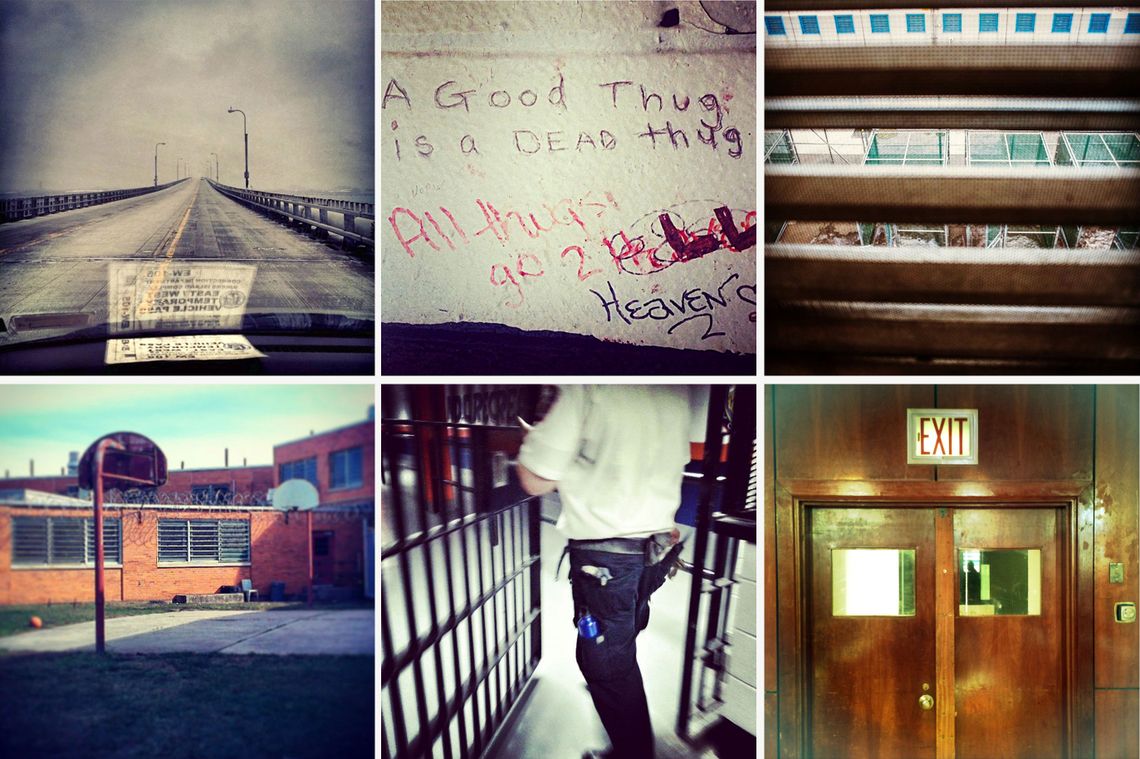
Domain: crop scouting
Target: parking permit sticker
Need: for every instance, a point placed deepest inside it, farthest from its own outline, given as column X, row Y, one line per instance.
column 129, row 350
column 175, row 296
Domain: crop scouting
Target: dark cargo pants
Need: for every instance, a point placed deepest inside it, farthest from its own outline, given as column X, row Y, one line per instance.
column 609, row 663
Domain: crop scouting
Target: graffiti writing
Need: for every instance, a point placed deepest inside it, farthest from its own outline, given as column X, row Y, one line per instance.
column 411, row 228
column 665, row 243
column 694, row 305
column 653, row 243
column 709, row 109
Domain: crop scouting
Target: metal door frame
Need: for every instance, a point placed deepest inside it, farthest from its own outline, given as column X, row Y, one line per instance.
column 706, row 649
column 794, row 498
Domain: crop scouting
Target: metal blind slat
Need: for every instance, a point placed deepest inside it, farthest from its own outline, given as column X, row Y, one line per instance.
column 111, row 542
column 68, row 545
column 203, row 540
column 172, row 544
column 29, row 540
column 233, row 541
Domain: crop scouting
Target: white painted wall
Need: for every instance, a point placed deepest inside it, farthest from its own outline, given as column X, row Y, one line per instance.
column 514, row 170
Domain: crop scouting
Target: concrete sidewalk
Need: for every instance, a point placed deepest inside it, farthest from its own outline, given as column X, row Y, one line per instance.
column 228, row 632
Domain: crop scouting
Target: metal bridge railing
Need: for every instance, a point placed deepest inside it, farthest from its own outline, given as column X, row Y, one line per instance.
column 353, row 222
column 15, row 209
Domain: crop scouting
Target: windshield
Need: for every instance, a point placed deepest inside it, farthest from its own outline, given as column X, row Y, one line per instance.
column 207, row 193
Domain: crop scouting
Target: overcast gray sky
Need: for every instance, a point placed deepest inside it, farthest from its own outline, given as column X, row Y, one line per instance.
column 88, row 87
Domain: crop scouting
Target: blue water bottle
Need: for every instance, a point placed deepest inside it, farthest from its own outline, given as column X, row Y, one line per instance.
column 588, row 626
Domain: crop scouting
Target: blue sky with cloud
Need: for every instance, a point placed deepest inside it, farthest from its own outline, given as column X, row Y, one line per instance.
column 191, row 423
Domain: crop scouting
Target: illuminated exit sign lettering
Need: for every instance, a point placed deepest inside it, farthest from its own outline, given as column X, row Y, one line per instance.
column 942, row 436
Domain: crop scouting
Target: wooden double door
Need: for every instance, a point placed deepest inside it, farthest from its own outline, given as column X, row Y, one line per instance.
column 937, row 632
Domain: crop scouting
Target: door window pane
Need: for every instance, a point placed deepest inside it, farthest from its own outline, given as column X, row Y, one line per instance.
column 1001, row 581
column 872, row 582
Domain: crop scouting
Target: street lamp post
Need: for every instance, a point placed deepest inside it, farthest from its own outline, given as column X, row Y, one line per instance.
column 178, row 169
column 156, row 162
column 245, row 131
column 216, row 170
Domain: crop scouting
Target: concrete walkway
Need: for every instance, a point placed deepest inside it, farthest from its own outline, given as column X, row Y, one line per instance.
column 227, row 632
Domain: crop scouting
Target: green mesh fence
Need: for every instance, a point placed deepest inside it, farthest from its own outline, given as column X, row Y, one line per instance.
column 1125, row 148
column 1099, row 149
column 906, row 148
column 778, row 148
column 1007, row 149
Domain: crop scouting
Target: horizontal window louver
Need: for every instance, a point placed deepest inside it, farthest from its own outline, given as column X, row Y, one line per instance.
column 112, row 544
column 172, row 541
column 233, row 542
column 203, row 541
column 64, row 541
column 29, row 540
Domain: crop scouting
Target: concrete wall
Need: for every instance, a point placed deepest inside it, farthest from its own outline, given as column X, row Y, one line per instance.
column 527, row 151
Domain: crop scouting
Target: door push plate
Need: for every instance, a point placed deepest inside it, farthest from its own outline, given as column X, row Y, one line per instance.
column 1126, row 612
column 1116, row 573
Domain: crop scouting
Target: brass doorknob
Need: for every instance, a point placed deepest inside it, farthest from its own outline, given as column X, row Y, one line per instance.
column 926, row 701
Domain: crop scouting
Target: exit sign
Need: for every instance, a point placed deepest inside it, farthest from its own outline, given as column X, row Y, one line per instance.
column 941, row 436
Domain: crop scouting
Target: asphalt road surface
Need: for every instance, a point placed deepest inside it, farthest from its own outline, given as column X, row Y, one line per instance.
column 59, row 264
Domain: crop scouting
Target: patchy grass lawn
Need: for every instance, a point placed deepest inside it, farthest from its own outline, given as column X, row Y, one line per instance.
column 14, row 619
column 179, row 706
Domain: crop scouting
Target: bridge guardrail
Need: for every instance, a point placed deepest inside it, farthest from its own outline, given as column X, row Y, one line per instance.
column 357, row 220
column 15, row 209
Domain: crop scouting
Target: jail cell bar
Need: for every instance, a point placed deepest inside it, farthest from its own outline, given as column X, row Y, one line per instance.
column 464, row 659
column 726, row 518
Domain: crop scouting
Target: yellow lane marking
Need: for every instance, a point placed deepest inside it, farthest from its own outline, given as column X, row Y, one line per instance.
column 160, row 275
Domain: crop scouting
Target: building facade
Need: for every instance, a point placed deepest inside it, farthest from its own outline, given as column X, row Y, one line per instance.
column 203, row 530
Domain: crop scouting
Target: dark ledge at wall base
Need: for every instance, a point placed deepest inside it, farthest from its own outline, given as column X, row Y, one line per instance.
column 477, row 348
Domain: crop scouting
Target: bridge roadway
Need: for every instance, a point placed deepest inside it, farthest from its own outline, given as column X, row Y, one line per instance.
column 59, row 263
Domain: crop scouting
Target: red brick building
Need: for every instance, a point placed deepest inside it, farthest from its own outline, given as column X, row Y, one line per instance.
column 202, row 530
column 340, row 463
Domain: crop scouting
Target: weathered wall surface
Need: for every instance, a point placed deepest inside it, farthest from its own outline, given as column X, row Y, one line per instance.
column 525, row 166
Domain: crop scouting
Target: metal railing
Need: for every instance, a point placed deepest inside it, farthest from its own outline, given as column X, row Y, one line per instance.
column 15, row 209
column 354, row 222
column 461, row 593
